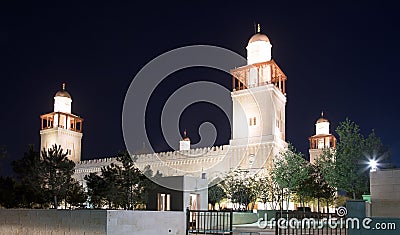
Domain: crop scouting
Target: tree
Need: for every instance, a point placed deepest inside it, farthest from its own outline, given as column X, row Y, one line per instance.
column 8, row 186
column 306, row 186
column 44, row 178
column 29, row 174
column 215, row 194
column 290, row 171
column 374, row 149
column 346, row 167
column 57, row 173
column 120, row 185
column 320, row 188
column 134, row 182
column 112, row 183
column 268, row 191
column 8, row 195
column 96, row 190
column 240, row 188
column 76, row 195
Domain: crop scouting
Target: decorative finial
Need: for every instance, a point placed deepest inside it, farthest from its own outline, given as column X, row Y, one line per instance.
column 322, row 114
column 258, row 28
column 184, row 133
column 63, row 86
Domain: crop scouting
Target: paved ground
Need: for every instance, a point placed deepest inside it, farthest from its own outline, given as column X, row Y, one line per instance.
column 251, row 229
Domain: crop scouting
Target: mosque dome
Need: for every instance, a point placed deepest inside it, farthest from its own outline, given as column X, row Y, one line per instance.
column 63, row 92
column 322, row 118
column 258, row 37
column 258, row 48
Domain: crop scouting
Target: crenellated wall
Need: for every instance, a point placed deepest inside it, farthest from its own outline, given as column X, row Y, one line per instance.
column 213, row 161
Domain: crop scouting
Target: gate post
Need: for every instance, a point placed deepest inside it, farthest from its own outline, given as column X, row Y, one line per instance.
column 231, row 221
column 187, row 220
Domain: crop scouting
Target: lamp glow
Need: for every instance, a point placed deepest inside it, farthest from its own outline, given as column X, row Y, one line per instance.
column 373, row 165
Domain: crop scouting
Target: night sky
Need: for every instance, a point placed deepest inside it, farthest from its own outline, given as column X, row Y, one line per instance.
column 341, row 58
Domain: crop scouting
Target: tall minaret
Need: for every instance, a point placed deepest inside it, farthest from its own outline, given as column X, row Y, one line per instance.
column 61, row 127
column 259, row 100
column 322, row 139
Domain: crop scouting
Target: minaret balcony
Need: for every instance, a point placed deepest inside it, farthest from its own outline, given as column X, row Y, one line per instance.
column 258, row 74
column 61, row 120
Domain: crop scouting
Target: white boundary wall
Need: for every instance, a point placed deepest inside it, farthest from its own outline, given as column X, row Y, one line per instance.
column 21, row 221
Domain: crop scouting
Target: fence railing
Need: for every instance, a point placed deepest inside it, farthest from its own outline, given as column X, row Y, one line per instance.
column 208, row 222
column 299, row 222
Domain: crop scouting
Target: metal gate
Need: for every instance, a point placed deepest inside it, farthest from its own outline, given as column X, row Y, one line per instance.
column 313, row 223
column 208, row 222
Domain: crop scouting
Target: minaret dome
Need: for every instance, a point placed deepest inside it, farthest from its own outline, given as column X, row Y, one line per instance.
column 62, row 101
column 322, row 126
column 258, row 48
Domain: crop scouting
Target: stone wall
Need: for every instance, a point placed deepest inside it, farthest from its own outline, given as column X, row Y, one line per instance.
column 385, row 193
column 54, row 222
column 146, row 222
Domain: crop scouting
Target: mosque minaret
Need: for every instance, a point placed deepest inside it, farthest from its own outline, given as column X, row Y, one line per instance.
column 61, row 127
column 322, row 140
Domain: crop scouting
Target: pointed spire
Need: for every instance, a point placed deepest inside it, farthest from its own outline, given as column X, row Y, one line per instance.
column 258, row 28
column 63, row 86
column 322, row 113
column 185, row 137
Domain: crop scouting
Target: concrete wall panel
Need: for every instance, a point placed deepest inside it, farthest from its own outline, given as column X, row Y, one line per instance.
column 32, row 222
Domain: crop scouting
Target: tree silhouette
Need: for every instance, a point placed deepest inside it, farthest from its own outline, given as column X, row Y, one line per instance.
column 44, row 178
column 120, row 185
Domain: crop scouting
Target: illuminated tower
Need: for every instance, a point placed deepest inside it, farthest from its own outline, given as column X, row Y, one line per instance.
column 61, row 127
column 259, row 100
column 322, row 139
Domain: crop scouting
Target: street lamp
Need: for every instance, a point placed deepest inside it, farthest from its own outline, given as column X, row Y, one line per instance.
column 373, row 164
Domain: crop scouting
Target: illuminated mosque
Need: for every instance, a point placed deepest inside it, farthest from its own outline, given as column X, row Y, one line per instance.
column 258, row 129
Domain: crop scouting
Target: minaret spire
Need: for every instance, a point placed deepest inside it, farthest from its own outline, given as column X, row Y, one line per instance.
column 322, row 113
column 63, row 86
column 258, row 28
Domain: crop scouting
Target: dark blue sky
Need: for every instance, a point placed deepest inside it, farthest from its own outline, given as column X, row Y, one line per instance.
column 339, row 57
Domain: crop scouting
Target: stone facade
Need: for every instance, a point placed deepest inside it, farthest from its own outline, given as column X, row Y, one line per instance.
column 385, row 193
